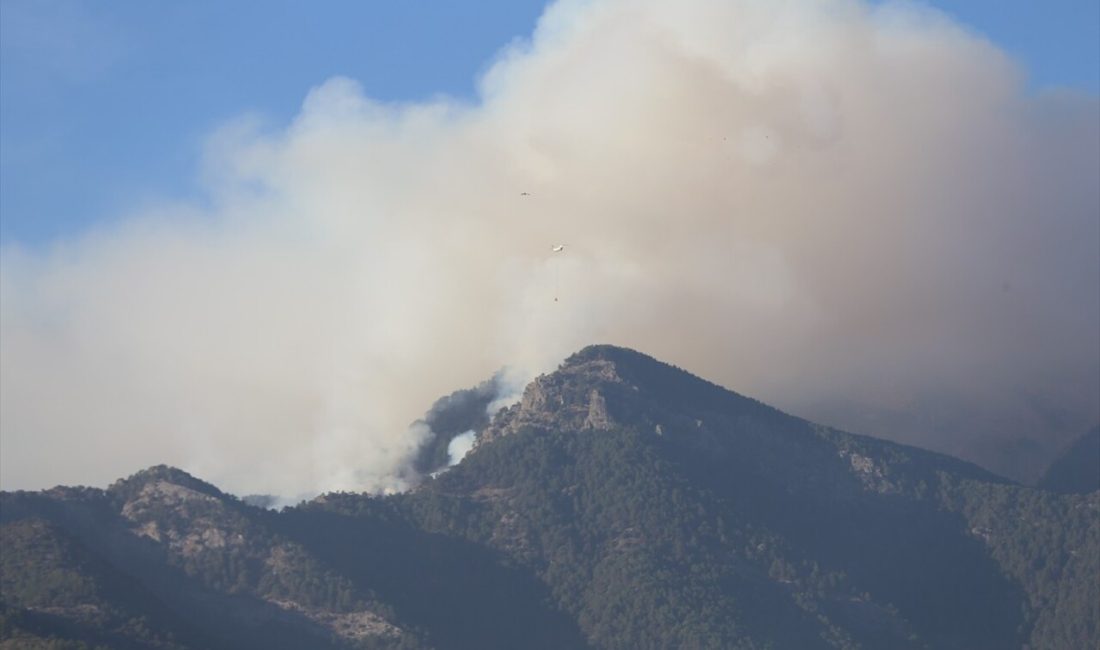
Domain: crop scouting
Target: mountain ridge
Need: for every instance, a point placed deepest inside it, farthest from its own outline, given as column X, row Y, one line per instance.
column 604, row 379
column 621, row 503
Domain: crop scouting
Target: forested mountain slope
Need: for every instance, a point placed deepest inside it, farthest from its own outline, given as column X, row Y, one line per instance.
column 622, row 503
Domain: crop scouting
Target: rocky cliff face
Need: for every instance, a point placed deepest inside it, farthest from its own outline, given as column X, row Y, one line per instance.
column 603, row 386
column 575, row 397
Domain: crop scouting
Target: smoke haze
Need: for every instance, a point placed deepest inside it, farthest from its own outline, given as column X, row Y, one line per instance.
column 851, row 212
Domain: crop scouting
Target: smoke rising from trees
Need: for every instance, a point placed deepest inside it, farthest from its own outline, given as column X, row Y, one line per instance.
column 854, row 212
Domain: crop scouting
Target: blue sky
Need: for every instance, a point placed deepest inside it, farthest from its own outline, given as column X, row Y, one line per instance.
column 103, row 106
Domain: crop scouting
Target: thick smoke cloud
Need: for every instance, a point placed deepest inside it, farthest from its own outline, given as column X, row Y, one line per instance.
column 856, row 213
column 450, row 426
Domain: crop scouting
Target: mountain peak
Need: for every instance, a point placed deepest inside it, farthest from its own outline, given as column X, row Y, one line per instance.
column 606, row 388
column 164, row 478
column 676, row 387
column 610, row 353
column 575, row 396
column 603, row 386
column 619, row 364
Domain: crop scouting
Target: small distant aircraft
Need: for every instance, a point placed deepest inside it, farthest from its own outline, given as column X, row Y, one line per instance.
column 557, row 248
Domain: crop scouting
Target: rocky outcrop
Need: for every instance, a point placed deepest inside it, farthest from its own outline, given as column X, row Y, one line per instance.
column 598, row 417
column 586, row 392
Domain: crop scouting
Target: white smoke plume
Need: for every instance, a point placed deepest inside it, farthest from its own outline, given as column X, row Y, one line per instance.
column 851, row 211
column 459, row 446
